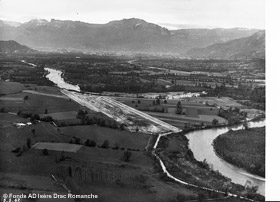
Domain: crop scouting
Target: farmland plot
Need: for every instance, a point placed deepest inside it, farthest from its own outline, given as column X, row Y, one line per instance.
column 57, row 146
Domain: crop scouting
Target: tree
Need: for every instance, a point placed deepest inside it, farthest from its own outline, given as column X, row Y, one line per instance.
column 215, row 122
column 179, row 108
column 33, row 131
column 205, row 164
column 47, row 119
column 36, row 117
column 246, row 125
column 139, row 101
column 87, row 142
column 105, row 144
column 19, row 113
column 122, row 126
column 116, row 146
column 158, row 101
column 201, row 196
column 25, row 97
column 127, row 155
column 62, row 156
column 28, row 142
column 81, row 114
column 45, row 152
column 77, row 140
column 254, row 189
column 181, row 198
column 92, row 143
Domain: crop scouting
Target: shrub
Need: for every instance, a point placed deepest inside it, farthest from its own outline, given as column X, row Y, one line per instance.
column 36, row 117
column 87, row 142
column 19, row 153
column 2, row 110
column 77, row 140
column 62, row 156
column 28, row 142
column 45, row 152
column 92, row 143
column 127, row 155
column 16, row 150
column 105, row 144
column 47, row 119
column 116, row 146
column 201, row 196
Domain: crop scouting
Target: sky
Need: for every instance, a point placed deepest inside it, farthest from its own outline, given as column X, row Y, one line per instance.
column 172, row 14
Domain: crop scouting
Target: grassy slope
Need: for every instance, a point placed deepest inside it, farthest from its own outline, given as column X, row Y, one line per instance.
column 34, row 166
column 243, row 148
column 99, row 134
column 10, row 87
column 38, row 104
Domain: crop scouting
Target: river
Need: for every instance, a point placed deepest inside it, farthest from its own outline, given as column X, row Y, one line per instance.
column 55, row 76
column 200, row 142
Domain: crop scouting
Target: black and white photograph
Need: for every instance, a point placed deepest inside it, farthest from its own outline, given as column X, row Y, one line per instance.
column 134, row 101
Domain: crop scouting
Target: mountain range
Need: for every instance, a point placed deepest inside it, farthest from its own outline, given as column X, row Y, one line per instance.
column 130, row 36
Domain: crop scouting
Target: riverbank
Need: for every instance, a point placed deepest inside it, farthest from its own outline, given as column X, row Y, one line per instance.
column 204, row 138
column 244, row 149
column 174, row 152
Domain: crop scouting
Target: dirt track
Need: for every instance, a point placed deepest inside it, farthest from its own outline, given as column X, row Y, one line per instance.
column 121, row 112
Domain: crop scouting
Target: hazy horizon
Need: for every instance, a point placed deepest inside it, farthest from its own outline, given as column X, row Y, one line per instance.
column 166, row 25
column 179, row 14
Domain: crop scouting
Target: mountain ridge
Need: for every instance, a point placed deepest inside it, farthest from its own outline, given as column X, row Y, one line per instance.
column 252, row 46
column 8, row 47
column 127, row 35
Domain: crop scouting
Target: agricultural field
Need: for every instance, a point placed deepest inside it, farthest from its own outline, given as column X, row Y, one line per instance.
column 36, row 103
column 205, row 119
column 66, row 147
column 115, row 137
column 192, row 112
column 35, row 166
column 61, row 115
column 10, row 87
column 111, row 174
column 24, row 184
column 224, row 102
